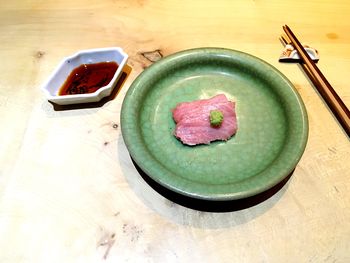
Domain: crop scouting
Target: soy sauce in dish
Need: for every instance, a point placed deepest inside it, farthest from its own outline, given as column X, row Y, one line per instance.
column 87, row 78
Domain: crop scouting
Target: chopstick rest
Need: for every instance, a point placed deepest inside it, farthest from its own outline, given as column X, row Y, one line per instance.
column 290, row 54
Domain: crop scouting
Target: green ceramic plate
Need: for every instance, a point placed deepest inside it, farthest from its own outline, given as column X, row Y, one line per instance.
column 272, row 124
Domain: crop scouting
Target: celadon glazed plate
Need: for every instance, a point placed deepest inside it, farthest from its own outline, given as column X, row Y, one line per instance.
column 272, row 124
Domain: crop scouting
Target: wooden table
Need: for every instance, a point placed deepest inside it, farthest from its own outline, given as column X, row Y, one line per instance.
column 68, row 189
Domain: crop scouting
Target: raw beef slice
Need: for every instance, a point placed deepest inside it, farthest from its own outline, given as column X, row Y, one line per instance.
column 193, row 123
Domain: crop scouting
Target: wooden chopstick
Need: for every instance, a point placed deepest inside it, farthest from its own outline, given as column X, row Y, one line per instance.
column 306, row 70
column 322, row 85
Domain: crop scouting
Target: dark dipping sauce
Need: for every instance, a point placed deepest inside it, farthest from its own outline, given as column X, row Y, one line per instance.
column 87, row 78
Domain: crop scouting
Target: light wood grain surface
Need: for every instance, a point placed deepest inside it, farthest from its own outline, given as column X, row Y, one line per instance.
column 68, row 189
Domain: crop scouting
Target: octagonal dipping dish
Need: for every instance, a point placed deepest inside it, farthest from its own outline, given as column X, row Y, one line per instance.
column 55, row 81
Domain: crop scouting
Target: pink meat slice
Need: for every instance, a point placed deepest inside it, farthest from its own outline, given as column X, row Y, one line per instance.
column 193, row 124
column 185, row 108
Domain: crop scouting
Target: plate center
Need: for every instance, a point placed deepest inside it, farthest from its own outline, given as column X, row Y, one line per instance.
column 261, row 131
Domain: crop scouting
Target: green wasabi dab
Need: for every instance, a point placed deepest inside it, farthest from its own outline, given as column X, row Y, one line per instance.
column 216, row 118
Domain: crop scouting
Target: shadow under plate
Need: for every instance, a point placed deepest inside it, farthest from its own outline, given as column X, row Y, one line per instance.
column 210, row 205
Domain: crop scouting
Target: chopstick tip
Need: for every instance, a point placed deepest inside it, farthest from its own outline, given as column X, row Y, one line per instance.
column 283, row 40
